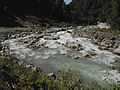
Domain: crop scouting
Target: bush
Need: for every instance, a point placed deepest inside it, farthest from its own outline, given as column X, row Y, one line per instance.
column 17, row 77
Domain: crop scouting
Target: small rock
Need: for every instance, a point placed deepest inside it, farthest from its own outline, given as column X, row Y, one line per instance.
column 87, row 55
column 70, row 31
column 92, row 53
column 25, row 42
column 76, row 57
column 29, row 66
column 80, row 49
column 102, row 25
column 34, row 68
column 102, row 48
column 117, row 51
column 55, row 38
column 47, row 38
column 52, row 75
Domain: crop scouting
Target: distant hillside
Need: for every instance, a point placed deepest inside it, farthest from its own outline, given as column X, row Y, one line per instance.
column 9, row 9
column 91, row 11
column 78, row 11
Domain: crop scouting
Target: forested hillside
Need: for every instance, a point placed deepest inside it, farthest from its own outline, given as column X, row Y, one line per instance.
column 79, row 11
column 40, row 8
column 91, row 11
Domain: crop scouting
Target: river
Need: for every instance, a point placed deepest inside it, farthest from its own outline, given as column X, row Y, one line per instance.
column 59, row 50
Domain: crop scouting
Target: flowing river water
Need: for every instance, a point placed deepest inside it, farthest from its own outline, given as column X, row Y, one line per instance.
column 59, row 50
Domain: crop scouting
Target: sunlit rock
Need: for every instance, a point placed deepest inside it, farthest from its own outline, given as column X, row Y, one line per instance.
column 103, row 25
column 111, row 76
column 117, row 51
column 87, row 55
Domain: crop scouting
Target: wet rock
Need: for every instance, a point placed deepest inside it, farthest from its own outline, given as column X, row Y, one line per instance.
column 70, row 31
column 92, row 53
column 107, row 43
column 116, row 44
column 116, row 64
column 113, row 38
column 55, row 38
column 76, row 57
column 47, row 37
column 74, row 46
column 79, row 27
column 102, row 48
column 40, row 36
column 103, row 25
column 87, row 55
column 29, row 66
column 40, row 43
column 117, row 51
column 80, row 49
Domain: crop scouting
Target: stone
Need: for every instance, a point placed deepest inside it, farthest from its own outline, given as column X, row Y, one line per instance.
column 29, row 66
column 25, row 42
column 117, row 51
column 102, row 25
column 116, row 45
column 52, row 75
column 70, row 31
column 87, row 55
column 103, row 43
column 74, row 45
column 103, row 48
column 92, row 53
column 80, row 49
column 47, row 37
column 76, row 57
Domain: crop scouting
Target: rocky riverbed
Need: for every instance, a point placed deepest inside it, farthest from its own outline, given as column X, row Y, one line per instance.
column 106, row 39
column 68, row 48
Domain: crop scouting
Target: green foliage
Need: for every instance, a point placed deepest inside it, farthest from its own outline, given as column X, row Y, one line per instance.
column 17, row 77
column 26, row 78
column 91, row 11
